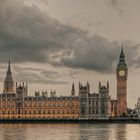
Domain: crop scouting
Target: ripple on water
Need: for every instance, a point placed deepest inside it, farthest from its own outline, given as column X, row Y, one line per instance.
column 69, row 132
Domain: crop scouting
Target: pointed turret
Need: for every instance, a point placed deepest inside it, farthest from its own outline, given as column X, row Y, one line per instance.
column 79, row 85
column 8, row 82
column 9, row 73
column 107, row 85
column 122, row 64
column 73, row 90
column 122, row 53
column 99, row 85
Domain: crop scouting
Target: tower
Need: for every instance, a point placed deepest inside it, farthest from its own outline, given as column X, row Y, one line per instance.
column 121, row 75
column 73, row 90
column 8, row 82
column 21, row 93
column 104, row 101
column 83, row 98
column 21, row 90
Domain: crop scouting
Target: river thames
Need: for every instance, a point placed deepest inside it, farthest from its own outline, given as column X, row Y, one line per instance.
column 69, row 132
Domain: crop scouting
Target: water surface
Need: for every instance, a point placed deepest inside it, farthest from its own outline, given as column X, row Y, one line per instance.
column 69, row 132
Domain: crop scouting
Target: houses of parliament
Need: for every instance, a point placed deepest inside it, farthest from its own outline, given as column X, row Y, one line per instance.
column 15, row 103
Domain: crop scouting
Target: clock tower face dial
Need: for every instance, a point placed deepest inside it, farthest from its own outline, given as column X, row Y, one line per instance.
column 121, row 72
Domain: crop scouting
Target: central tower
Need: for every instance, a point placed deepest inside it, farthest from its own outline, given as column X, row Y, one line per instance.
column 121, row 74
column 8, row 82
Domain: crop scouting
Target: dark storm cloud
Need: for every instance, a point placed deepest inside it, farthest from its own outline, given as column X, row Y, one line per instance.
column 100, row 55
column 28, row 33
column 36, row 75
column 33, row 75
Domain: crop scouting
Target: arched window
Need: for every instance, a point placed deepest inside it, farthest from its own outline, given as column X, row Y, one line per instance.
column 19, row 112
column 63, row 112
column 39, row 112
column 34, row 111
column 48, row 111
column 44, row 112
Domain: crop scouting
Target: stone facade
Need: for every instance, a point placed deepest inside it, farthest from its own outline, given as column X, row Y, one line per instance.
column 113, row 108
column 17, row 104
column 94, row 105
column 20, row 105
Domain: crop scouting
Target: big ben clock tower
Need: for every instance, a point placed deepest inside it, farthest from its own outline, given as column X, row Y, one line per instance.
column 121, row 74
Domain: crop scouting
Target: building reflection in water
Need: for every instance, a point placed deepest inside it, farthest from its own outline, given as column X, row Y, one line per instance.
column 39, row 131
column 12, row 132
column 94, row 131
column 69, row 131
column 120, row 131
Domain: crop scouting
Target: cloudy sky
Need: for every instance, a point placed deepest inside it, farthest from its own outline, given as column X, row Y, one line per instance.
column 53, row 43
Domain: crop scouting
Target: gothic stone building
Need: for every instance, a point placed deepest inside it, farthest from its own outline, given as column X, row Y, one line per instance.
column 94, row 105
column 15, row 103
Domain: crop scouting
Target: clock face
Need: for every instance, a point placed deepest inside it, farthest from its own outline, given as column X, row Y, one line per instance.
column 121, row 72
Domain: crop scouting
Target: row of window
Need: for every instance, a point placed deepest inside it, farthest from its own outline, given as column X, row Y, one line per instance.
column 90, row 111
column 16, row 100
column 37, row 105
column 40, row 104
column 93, row 111
column 49, row 105
column 7, row 100
column 40, row 112
column 93, row 103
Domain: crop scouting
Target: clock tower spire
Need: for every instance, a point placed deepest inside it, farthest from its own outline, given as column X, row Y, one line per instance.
column 121, row 75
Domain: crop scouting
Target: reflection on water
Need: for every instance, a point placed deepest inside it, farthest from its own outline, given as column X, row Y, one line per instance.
column 69, row 132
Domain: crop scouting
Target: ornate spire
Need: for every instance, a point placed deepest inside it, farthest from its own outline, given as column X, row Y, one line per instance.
column 122, row 63
column 8, row 82
column 107, row 85
column 122, row 56
column 9, row 64
column 73, row 90
column 9, row 73
column 99, row 84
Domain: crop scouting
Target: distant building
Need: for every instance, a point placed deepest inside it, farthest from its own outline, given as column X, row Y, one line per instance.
column 137, row 108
